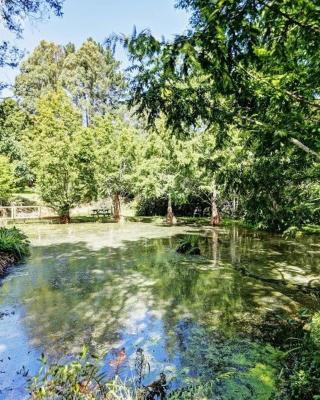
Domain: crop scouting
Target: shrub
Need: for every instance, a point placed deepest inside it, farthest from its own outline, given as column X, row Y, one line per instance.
column 14, row 242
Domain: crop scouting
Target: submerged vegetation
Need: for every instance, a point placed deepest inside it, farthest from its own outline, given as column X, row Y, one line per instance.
column 213, row 367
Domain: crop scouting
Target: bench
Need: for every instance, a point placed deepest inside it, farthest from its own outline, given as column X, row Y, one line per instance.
column 101, row 212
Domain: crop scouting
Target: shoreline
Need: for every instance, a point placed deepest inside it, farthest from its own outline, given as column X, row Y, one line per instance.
column 6, row 261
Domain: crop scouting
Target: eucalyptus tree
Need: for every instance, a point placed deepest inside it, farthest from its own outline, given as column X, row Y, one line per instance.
column 92, row 76
column 61, row 155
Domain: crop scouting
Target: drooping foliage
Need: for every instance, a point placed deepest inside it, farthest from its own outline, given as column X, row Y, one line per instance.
column 14, row 242
column 250, row 66
column 12, row 16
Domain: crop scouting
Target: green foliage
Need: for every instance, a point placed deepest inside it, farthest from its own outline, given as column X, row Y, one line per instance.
column 166, row 166
column 116, row 145
column 14, row 242
column 77, row 379
column 39, row 74
column 227, row 369
column 6, row 179
column 13, row 122
column 189, row 245
column 231, row 71
column 65, row 173
column 90, row 75
column 300, row 378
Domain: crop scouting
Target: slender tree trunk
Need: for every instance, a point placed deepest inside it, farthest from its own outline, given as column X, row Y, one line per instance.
column 116, row 207
column 215, row 217
column 171, row 219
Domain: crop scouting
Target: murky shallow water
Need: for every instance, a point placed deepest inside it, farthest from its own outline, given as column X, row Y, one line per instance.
column 113, row 286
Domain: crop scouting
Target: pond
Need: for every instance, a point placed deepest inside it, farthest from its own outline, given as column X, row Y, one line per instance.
column 115, row 286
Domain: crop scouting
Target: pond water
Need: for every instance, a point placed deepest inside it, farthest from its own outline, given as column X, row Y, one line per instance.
column 114, row 286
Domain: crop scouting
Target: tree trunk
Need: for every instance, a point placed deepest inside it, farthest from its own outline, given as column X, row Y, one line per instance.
column 65, row 217
column 215, row 217
column 171, row 219
column 117, row 207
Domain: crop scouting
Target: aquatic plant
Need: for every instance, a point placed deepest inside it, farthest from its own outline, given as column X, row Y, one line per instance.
column 225, row 369
column 189, row 245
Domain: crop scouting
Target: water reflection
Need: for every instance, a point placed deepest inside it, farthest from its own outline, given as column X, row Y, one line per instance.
column 114, row 286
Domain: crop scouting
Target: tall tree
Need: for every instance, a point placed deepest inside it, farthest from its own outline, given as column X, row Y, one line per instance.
column 61, row 155
column 39, row 73
column 13, row 123
column 164, row 167
column 91, row 76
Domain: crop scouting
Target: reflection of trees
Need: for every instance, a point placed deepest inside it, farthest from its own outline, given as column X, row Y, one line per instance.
column 77, row 295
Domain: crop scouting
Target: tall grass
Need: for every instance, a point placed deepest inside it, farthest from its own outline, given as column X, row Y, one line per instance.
column 14, row 243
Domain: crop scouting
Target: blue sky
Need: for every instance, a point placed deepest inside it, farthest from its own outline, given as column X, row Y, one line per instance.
column 98, row 19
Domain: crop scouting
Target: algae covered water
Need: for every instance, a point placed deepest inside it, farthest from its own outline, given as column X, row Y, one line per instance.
column 122, row 287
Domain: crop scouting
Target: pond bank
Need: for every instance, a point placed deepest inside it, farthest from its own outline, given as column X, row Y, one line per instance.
column 14, row 246
column 6, row 261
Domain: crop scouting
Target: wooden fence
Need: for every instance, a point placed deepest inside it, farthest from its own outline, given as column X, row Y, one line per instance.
column 26, row 212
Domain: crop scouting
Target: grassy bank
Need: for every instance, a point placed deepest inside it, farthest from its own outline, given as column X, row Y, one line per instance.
column 14, row 246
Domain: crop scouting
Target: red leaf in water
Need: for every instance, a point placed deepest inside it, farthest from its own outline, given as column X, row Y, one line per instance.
column 119, row 360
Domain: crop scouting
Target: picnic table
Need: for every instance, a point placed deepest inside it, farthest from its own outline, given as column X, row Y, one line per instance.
column 101, row 212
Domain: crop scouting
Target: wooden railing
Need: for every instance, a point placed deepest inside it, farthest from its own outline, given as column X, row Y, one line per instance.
column 25, row 212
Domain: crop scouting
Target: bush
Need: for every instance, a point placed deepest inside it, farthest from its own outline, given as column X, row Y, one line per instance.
column 14, row 242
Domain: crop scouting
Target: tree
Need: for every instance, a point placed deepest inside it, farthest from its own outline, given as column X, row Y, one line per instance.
column 91, row 75
column 164, row 168
column 39, row 74
column 13, row 122
column 247, row 65
column 12, row 15
column 116, row 144
column 60, row 155
column 6, row 179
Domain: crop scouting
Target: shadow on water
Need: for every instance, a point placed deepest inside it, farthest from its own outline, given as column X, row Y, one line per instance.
column 142, row 294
